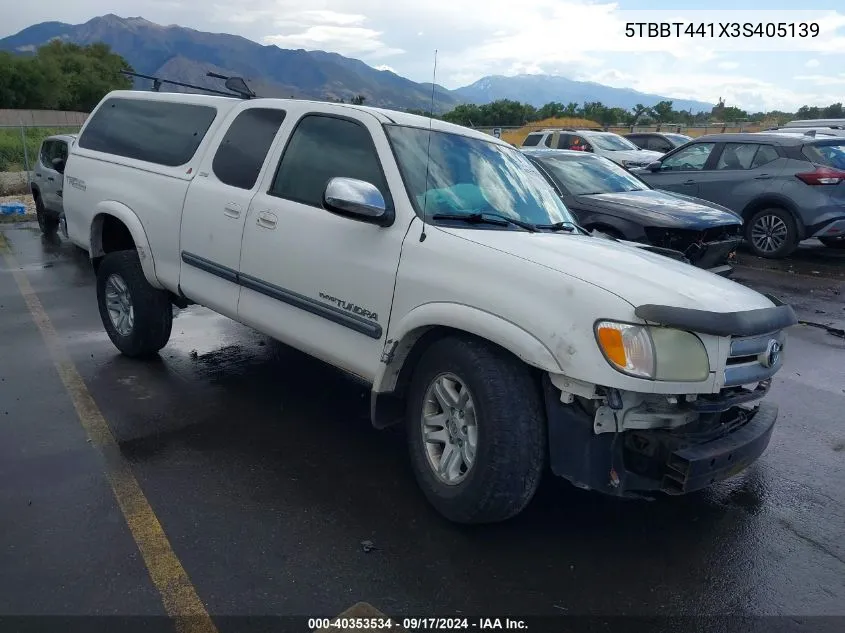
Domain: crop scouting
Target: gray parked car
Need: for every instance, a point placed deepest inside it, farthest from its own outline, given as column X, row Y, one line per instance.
column 786, row 187
column 47, row 179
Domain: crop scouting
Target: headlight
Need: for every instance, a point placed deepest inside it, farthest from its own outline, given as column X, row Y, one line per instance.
column 655, row 353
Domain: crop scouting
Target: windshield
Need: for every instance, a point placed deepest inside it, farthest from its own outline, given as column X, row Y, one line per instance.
column 830, row 154
column 590, row 176
column 678, row 139
column 467, row 175
column 611, row 142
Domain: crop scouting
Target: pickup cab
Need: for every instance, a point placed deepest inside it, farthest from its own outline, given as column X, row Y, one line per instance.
column 438, row 265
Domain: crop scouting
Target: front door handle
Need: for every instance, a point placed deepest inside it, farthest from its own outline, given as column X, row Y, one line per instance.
column 267, row 220
column 50, row 178
column 689, row 182
column 38, row 173
column 232, row 210
column 762, row 177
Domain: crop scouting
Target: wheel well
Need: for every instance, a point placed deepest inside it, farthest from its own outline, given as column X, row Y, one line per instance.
column 389, row 407
column 108, row 235
column 767, row 203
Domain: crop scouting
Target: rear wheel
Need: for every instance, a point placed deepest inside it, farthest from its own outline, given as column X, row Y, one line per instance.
column 137, row 317
column 833, row 242
column 46, row 222
column 476, row 430
column 772, row 233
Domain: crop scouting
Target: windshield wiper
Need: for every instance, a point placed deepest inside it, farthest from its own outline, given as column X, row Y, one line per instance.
column 485, row 218
column 569, row 227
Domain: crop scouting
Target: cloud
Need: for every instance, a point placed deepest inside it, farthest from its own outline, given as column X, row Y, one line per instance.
column 335, row 31
column 823, row 80
column 385, row 67
column 583, row 39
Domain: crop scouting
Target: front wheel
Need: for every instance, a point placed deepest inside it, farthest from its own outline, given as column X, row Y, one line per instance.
column 137, row 317
column 476, row 430
column 772, row 233
column 833, row 242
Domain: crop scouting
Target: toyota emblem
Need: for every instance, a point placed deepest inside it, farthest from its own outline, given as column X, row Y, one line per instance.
column 771, row 356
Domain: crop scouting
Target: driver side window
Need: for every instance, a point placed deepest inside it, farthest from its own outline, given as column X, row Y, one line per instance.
column 692, row 158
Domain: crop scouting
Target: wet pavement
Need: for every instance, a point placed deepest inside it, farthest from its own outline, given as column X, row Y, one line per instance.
column 266, row 476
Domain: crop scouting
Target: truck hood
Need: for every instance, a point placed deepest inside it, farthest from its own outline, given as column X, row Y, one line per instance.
column 634, row 274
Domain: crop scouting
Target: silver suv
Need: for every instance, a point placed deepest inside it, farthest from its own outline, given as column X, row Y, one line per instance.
column 613, row 146
column 787, row 187
column 47, row 179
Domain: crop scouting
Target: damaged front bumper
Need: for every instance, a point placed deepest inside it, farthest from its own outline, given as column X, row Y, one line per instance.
column 724, row 441
column 713, row 249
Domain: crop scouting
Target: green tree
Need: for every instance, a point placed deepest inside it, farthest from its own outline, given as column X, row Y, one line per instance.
column 639, row 111
column 358, row 100
column 663, row 112
column 61, row 76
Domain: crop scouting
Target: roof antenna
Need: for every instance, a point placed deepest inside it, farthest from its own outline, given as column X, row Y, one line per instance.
column 428, row 150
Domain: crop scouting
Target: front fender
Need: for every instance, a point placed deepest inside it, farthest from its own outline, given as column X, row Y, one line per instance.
column 401, row 338
column 136, row 229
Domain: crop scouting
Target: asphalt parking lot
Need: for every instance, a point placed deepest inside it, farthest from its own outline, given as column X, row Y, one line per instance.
column 236, row 476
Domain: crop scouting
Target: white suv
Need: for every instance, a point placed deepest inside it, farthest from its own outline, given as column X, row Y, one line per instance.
column 47, row 182
column 437, row 264
column 613, row 146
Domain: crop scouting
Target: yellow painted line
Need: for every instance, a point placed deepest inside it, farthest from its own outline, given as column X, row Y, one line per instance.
column 180, row 599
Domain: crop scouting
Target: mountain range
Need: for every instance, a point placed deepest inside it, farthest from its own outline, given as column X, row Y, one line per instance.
column 186, row 55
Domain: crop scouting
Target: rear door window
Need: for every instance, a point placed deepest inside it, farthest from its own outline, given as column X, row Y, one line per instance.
column 243, row 150
column 737, row 156
column 765, row 155
column 161, row 132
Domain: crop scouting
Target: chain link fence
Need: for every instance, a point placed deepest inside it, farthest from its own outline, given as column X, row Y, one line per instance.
column 21, row 133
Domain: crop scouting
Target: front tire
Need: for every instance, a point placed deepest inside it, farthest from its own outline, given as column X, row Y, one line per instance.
column 476, row 430
column 772, row 233
column 138, row 318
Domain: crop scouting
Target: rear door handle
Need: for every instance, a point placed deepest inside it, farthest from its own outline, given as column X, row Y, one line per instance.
column 232, row 210
column 38, row 174
column 689, row 182
column 762, row 177
column 267, row 220
column 50, row 178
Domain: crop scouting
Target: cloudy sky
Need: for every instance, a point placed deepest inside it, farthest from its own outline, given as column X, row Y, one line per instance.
column 580, row 39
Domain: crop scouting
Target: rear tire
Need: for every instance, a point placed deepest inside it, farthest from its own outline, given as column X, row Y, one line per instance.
column 833, row 242
column 772, row 233
column 47, row 223
column 502, row 403
column 138, row 318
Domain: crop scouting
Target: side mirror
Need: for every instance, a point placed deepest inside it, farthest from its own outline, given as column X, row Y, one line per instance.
column 357, row 198
column 655, row 166
column 59, row 165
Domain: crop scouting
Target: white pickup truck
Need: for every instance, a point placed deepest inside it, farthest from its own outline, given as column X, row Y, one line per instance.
column 437, row 264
